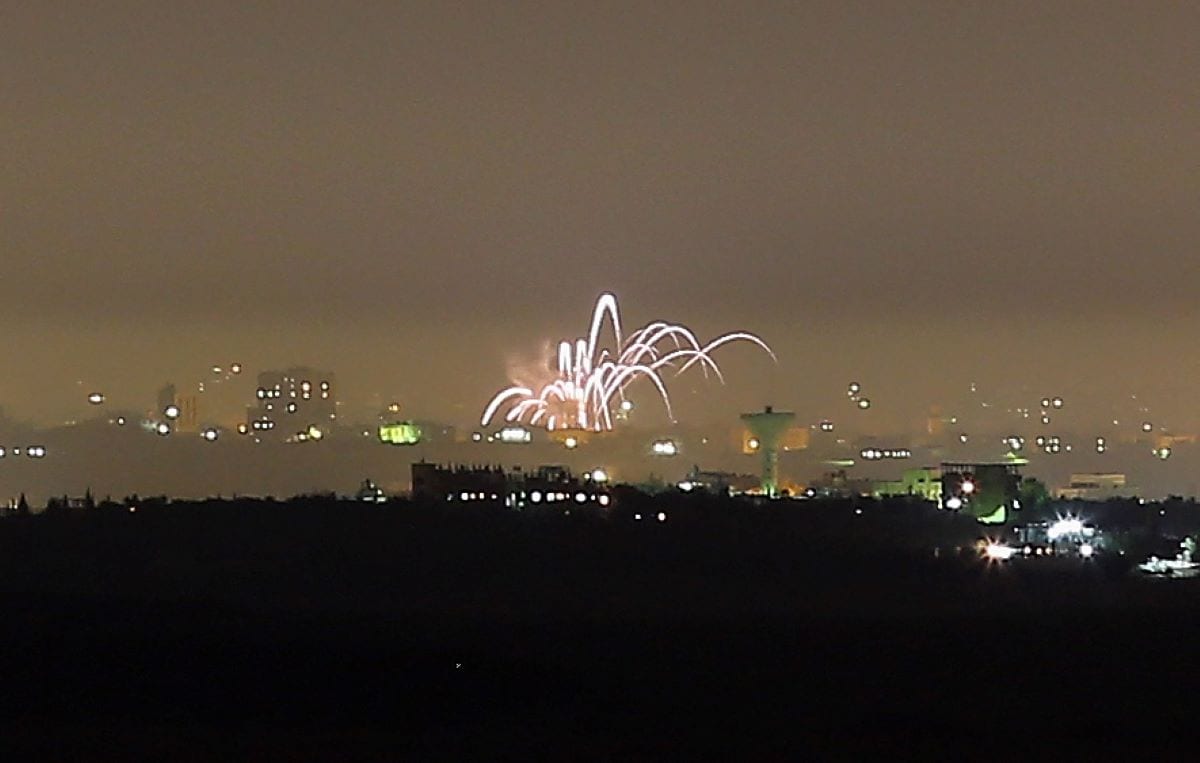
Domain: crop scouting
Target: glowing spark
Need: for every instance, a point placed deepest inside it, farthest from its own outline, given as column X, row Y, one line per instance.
column 591, row 377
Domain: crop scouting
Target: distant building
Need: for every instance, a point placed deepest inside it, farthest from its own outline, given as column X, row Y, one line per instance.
column 298, row 403
column 721, row 483
column 183, row 410
column 546, row 486
column 166, row 397
column 924, row 483
column 1096, row 486
column 400, row 433
column 839, row 484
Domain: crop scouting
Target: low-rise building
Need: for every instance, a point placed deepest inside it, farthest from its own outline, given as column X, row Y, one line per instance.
column 1096, row 486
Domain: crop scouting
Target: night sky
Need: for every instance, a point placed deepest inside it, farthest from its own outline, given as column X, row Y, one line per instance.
column 417, row 196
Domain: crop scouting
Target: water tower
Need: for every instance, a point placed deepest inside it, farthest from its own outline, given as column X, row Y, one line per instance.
column 767, row 427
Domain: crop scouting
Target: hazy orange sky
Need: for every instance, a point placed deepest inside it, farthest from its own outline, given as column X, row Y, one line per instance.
column 914, row 195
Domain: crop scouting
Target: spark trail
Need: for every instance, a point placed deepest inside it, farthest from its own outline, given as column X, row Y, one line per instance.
column 591, row 378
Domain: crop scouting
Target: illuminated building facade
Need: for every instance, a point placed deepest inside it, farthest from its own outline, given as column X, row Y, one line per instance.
column 924, row 483
column 400, row 433
column 298, row 403
column 1098, row 486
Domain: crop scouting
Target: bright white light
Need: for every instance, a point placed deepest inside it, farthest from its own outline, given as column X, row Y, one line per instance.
column 210, row 435
column 968, row 487
column 662, row 516
column 571, row 443
column 1086, row 550
column 96, row 398
column 1064, row 526
column 599, row 475
column 664, row 448
column 998, row 552
column 864, row 404
column 637, row 517
column 687, row 486
column 581, row 498
column 753, row 443
column 605, row 500
column 515, row 435
column 954, row 503
column 163, row 428
column 171, row 412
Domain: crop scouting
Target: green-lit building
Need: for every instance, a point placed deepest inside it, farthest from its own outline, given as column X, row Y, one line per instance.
column 400, row 433
column 924, row 483
column 988, row 492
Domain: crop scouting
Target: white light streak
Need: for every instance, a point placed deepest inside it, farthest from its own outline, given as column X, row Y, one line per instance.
column 591, row 378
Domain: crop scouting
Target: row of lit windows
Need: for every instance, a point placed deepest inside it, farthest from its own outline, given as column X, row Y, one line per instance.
column 535, row 496
column 33, row 451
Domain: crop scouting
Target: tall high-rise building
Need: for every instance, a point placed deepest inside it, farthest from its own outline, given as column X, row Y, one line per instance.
column 296, row 403
column 185, row 416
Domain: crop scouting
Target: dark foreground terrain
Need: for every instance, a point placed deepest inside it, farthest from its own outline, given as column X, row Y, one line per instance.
column 331, row 631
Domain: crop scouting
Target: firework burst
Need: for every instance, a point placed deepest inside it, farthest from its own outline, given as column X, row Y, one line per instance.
column 591, row 378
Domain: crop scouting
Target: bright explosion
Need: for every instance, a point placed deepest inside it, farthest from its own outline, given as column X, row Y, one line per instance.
column 590, row 378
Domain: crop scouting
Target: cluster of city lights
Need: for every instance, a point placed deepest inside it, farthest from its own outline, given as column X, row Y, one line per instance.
column 854, row 392
column 32, row 451
column 550, row 496
column 1052, row 445
column 875, row 454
